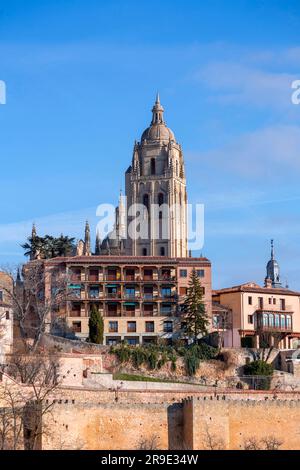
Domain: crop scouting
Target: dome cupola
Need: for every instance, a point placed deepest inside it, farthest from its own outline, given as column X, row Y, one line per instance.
column 158, row 130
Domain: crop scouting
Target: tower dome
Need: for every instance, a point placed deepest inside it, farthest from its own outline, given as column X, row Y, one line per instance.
column 273, row 269
column 158, row 130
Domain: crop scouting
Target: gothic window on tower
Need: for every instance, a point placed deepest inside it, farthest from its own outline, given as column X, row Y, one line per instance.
column 146, row 201
column 160, row 199
column 152, row 166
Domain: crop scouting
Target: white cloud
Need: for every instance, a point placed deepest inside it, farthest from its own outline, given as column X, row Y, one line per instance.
column 236, row 83
column 269, row 153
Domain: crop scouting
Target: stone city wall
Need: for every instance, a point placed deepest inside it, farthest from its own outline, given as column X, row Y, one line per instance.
column 229, row 424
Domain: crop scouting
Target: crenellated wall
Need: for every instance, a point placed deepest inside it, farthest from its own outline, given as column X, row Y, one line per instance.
column 224, row 423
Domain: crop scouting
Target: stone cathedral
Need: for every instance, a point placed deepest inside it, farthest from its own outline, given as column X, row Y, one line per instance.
column 154, row 182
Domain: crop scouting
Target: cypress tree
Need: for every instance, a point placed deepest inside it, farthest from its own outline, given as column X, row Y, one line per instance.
column 96, row 326
column 195, row 316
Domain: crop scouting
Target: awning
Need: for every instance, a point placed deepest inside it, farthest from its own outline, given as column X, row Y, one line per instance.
column 130, row 303
column 111, row 285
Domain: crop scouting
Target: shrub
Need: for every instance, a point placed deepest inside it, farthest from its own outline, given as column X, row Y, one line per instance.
column 263, row 370
column 258, row 367
column 192, row 362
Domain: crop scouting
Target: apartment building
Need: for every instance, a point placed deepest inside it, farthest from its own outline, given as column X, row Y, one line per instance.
column 138, row 297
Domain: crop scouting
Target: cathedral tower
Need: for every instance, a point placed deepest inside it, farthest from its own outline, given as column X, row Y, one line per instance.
column 156, row 180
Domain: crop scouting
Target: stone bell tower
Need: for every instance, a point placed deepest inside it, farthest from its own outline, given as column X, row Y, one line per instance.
column 156, row 181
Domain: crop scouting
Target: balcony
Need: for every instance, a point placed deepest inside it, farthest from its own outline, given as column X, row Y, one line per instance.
column 112, row 295
column 272, row 320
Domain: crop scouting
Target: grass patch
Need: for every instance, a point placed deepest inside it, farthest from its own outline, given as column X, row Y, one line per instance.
column 142, row 378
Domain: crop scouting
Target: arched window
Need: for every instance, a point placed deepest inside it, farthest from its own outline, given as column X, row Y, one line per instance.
column 146, row 200
column 152, row 166
column 162, row 251
column 277, row 321
column 289, row 322
column 160, row 199
column 144, row 251
column 282, row 321
column 176, row 168
column 265, row 319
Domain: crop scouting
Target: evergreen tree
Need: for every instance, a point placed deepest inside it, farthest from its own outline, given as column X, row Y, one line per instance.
column 195, row 316
column 96, row 326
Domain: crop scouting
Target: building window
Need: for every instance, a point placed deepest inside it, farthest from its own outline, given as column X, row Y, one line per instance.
column 113, row 327
column 94, row 292
column 112, row 341
column 132, row 341
column 130, row 310
column 282, row 304
column 149, row 326
column 148, row 275
column 261, row 302
column 250, row 319
column 162, row 251
column 7, row 315
column 183, row 273
column 76, row 326
column 274, row 301
column 249, row 300
column 289, row 322
column 282, row 321
column 271, row 320
column 131, row 326
column 148, row 310
column 183, row 291
column 265, row 319
column 75, row 310
column 270, row 301
column 112, row 310
column 160, row 199
column 144, row 251
column 152, row 166
column 277, row 323
column 130, row 292
column 168, row 327
column 166, row 309
column 93, row 275
column 146, row 201
column 1, row 296
column 166, row 292
column 200, row 272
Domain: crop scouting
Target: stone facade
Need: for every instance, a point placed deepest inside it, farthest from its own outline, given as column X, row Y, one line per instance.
column 157, row 177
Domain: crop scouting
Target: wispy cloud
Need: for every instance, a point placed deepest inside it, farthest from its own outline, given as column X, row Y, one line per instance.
column 240, row 84
column 267, row 153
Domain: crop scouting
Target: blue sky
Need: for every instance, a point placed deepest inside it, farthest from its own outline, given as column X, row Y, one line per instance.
column 81, row 78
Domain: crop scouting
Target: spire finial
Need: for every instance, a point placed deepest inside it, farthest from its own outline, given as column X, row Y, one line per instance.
column 272, row 249
column 33, row 232
column 157, row 111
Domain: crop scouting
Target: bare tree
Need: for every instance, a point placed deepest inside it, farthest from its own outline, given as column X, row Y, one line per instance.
column 11, row 425
column 222, row 322
column 149, row 443
column 213, row 441
column 269, row 340
column 35, row 300
column 266, row 443
column 27, row 397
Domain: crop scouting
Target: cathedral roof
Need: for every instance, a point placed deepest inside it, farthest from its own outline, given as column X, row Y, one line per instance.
column 158, row 130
